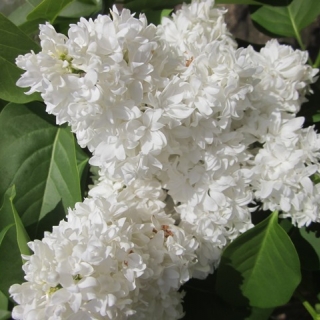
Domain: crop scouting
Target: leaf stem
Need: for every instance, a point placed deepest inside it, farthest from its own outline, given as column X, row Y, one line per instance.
column 297, row 34
column 309, row 308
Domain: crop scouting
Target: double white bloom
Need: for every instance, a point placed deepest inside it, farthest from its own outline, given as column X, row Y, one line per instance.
column 187, row 131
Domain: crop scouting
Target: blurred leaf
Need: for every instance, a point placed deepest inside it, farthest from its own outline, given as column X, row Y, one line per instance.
column 307, row 243
column 13, row 243
column 31, row 28
column 80, row 8
column 261, row 266
column 288, row 20
column 253, row 2
column 3, row 301
column 155, row 16
column 42, row 162
column 315, row 178
column 19, row 16
column 47, row 10
column 12, row 43
column 311, row 108
column 4, row 313
column 316, row 117
column 201, row 302
column 286, row 225
column 275, row 2
column 3, row 103
column 144, row 5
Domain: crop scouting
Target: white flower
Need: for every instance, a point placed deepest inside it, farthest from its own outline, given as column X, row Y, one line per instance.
column 94, row 264
column 194, row 26
column 283, row 169
column 186, row 132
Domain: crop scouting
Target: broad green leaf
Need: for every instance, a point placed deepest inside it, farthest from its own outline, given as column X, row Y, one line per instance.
column 316, row 117
column 22, row 236
column 260, row 267
column 9, row 218
column 82, row 161
column 307, row 243
column 31, row 28
column 288, row 20
column 80, row 8
column 5, row 314
column 275, row 2
column 19, row 16
column 13, row 243
column 3, row 103
column 311, row 108
column 39, row 158
column 4, row 231
column 144, row 5
column 8, row 89
column 12, row 43
column 201, row 302
column 253, row 2
column 83, row 169
column 48, row 10
column 3, row 302
column 155, row 16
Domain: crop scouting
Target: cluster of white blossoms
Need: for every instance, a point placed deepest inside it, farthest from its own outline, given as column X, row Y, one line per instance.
column 117, row 255
column 187, row 131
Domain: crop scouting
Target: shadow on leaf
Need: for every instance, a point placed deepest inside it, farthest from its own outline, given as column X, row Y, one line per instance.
column 36, row 230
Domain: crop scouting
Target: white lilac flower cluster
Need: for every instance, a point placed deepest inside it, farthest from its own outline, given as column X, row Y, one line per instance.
column 187, row 131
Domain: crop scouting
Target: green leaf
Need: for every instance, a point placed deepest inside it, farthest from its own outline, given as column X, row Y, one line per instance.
column 315, row 178
column 82, row 161
column 80, row 8
column 275, row 2
column 3, row 301
column 144, row 5
column 42, row 163
column 4, row 313
column 200, row 293
column 307, row 243
column 316, row 117
column 4, row 231
column 9, row 218
column 155, row 16
column 83, row 169
column 12, row 43
column 253, row 2
column 260, row 267
column 13, row 243
column 48, row 10
column 287, row 21
column 22, row 236
column 19, row 16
